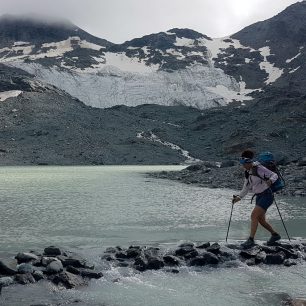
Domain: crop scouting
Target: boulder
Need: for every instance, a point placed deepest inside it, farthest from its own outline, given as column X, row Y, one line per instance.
column 184, row 250
column 289, row 262
column 140, row 264
column 171, row 260
column 249, row 253
column 26, row 257
column 24, row 279
column 74, row 261
column 91, row 274
column 38, row 275
column 275, row 259
column 204, row 259
column 25, row 268
column 214, row 248
column 54, row 267
column 68, row 280
column 52, row 251
column 203, row 245
column 155, row 263
column 8, row 267
column 6, row 281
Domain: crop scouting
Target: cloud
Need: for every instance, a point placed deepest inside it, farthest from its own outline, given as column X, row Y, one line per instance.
column 120, row 20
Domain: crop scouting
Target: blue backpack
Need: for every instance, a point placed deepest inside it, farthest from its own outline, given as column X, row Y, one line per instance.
column 268, row 161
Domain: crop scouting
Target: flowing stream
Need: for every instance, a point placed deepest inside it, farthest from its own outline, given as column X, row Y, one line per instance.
column 87, row 209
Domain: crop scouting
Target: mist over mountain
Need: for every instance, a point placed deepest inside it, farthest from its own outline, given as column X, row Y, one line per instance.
column 68, row 97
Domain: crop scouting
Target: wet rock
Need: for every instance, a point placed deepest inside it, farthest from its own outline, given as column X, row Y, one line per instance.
column 38, row 275
column 260, row 257
column 289, row 262
column 133, row 252
column 249, row 253
column 24, row 279
column 45, row 261
column 184, row 250
column 155, row 263
column 26, row 257
column 214, row 248
column 111, row 250
column 121, row 255
column 68, row 280
column 251, row 262
column 25, row 268
column 275, row 259
column 8, row 267
column 205, row 259
column 6, row 281
column 203, row 245
column 91, row 274
column 191, row 254
column 73, row 270
column 140, row 264
column 54, row 267
column 171, row 260
column 74, row 261
column 52, row 251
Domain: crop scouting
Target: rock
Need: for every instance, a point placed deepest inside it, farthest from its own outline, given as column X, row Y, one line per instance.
column 214, row 248
column 260, row 257
column 73, row 270
column 68, row 280
column 54, row 267
column 75, row 261
column 184, row 250
column 250, row 253
column 91, row 274
column 133, row 252
column 111, row 250
column 45, row 261
column 6, row 281
column 8, row 267
column 52, row 251
column 203, row 245
column 196, row 167
column 289, row 263
column 155, row 263
column 251, row 262
column 38, row 275
column 275, row 259
column 140, row 264
column 171, row 260
column 204, row 259
column 25, row 268
column 24, row 279
column 26, row 257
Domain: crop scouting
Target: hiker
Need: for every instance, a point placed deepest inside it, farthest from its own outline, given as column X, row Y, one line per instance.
column 254, row 174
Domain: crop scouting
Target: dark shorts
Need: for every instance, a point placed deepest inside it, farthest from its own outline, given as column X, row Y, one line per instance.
column 265, row 199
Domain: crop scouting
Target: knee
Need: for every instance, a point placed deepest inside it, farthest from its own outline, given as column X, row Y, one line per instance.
column 254, row 217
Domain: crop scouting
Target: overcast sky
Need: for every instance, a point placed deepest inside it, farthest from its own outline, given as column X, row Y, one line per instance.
column 121, row 20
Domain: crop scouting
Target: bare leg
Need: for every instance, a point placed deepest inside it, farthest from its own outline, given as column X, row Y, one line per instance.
column 265, row 224
column 257, row 213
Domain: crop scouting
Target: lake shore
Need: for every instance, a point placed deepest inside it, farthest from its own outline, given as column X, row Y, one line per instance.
column 230, row 175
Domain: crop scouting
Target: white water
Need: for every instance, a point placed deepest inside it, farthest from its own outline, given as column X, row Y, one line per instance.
column 90, row 208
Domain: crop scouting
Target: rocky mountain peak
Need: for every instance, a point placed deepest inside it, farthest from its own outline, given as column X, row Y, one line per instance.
column 37, row 29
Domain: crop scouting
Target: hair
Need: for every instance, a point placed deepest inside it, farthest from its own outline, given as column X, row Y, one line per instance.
column 247, row 154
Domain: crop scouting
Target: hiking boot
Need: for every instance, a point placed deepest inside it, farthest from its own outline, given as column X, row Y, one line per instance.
column 248, row 243
column 275, row 237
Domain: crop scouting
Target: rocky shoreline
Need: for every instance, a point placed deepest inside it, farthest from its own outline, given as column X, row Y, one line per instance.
column 228, row 174
column 68, row 270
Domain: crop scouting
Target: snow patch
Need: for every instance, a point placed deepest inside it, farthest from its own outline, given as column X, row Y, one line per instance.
column 273, row 72
column 184, row 153
column 9, row 94
column 294, row 70
column 184, row 42
column 20, row 43
column 291, row 59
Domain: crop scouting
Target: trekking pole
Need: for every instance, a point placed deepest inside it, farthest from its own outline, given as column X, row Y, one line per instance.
column 229, row 224
column 282, row 219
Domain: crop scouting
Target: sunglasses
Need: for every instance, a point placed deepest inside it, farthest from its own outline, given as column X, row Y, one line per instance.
column 245, row 160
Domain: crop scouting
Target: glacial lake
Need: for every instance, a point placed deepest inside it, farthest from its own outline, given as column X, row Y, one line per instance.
column 87, row 209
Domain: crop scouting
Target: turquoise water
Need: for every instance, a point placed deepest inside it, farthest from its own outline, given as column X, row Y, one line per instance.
column 90, row 208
